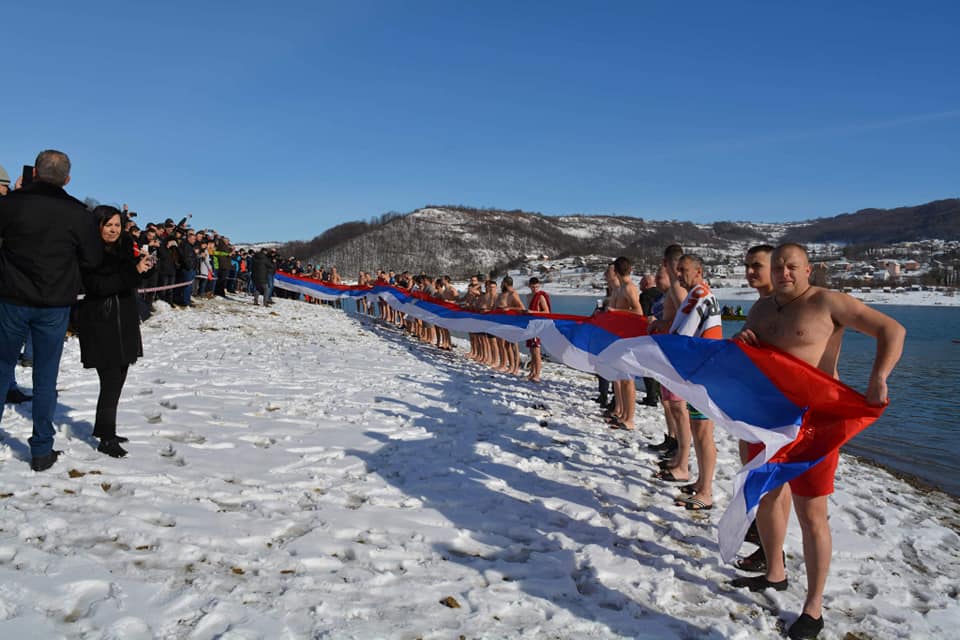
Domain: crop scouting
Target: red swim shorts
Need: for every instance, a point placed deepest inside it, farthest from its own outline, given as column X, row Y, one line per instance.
column 815, row 482
column 533, row 342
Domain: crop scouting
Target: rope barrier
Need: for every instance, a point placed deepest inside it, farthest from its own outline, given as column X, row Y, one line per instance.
column 165, row 287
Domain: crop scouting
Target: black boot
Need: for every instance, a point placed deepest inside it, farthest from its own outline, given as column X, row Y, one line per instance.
column 15, row 396
column 42, row 463
column 111, row 447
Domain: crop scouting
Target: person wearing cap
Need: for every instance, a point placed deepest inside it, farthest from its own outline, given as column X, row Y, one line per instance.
column 48, row 236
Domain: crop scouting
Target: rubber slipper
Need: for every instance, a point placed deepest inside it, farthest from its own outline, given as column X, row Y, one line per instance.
column 695, row 504
column 666, row 474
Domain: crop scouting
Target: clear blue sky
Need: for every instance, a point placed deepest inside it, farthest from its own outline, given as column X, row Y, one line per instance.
column 277, row 121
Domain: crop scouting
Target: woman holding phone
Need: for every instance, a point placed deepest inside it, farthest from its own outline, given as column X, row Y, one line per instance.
column 109, row 322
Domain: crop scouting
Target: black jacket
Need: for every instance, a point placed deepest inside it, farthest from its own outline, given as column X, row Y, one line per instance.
column 108, row 319
column 188, row 256
column 47, row 236
column 261, row 267
column 168, row 259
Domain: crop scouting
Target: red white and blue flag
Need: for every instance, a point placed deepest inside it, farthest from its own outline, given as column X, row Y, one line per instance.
column 756, row 394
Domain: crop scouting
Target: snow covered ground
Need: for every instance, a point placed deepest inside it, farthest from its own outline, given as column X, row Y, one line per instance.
column 297, row 473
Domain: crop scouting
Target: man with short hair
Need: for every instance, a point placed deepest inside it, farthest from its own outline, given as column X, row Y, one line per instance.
column 539, row 302
column 259, row 272
column 699, row 317
column 674, row 407
column 808, row 322
column 488, row 302
column 188, row 265
column 605, row 387
column 625, row 298
column 471, row 302
column 756, row 265
column 668, row 446
column 508, row 300
column 47, row 237
column 649, row 294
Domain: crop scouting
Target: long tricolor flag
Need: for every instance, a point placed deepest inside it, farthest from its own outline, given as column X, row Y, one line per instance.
column 762, row 395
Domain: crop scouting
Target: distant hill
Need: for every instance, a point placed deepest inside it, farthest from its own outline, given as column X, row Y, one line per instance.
column 935, row 220
column 459, row 240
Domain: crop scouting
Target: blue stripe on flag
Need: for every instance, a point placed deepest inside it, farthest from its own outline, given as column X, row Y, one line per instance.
column 736, row 386
column 770, row 476
column 585, row 336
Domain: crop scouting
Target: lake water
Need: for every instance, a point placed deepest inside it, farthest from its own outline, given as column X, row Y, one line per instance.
column 919, row 433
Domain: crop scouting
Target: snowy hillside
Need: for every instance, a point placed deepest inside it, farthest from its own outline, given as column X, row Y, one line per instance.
column 459, row 240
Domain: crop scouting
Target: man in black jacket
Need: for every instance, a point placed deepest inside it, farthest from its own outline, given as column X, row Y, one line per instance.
column 260, row 272
column 188, row 264
column 46, row 236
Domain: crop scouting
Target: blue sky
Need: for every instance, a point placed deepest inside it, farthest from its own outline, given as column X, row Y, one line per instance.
column 275, row 122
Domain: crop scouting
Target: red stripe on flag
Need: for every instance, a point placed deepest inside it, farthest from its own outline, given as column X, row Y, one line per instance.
column 835, row 412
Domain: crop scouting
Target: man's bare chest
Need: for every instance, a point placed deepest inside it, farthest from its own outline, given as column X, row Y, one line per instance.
column 794, row 330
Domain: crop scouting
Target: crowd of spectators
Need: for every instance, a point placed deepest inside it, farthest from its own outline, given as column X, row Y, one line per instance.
column 204, row 258
column 53, row 248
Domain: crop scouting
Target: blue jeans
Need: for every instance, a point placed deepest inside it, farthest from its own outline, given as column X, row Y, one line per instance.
column 28, row 349
column 47, row 326
column 187, row 276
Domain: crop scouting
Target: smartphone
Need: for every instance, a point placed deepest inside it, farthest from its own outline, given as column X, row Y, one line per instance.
column 27, row 176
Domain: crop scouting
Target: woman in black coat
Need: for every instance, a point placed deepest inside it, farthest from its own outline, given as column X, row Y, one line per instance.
column 109, row 323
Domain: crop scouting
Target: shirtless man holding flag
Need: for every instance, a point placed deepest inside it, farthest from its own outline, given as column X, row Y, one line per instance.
column 807, row 322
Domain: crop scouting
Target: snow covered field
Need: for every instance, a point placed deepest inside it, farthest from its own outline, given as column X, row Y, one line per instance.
column 297, row 473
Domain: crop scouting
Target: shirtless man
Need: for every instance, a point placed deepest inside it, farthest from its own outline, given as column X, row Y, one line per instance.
column 649, row 293
column 447, row 293
column 625, row 298
column 757, row 270
column 674, row 407
column 491, row 353
column 662, row 284
column 699, row 317
column 471, row 302
column 605, row 387
column 808, row 323
column 539, row 302
column 509, row 300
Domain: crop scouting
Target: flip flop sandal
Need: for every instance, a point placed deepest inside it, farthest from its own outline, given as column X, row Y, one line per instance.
column 756, row 562
column 667, row 475
column 695, row 504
